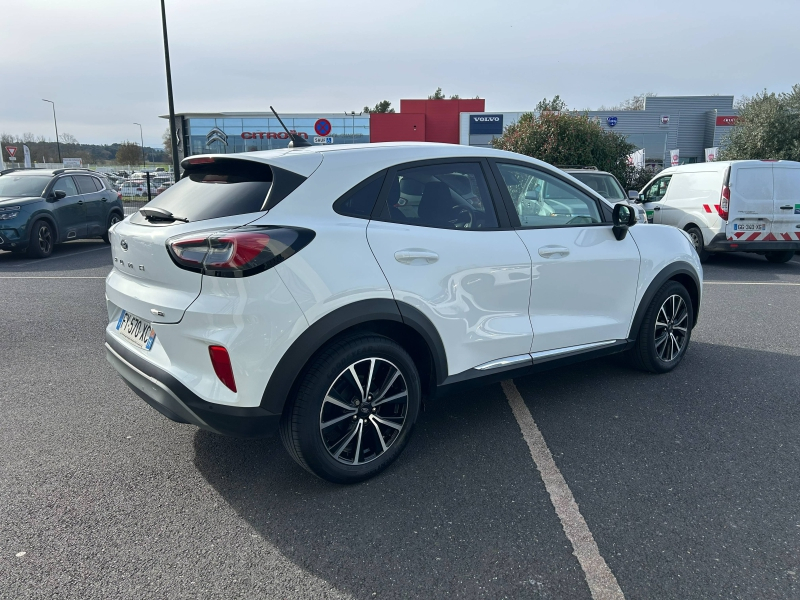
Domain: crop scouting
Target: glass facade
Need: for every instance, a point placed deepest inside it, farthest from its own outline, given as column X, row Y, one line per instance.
column 230, row 134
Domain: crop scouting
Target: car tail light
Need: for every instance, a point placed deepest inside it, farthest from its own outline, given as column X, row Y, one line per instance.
column 724, row 202
column 237, row 252
column 119, row 195
column 221, row 362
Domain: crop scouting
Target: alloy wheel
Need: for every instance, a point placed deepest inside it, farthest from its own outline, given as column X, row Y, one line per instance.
column 113, row 221
column 45, row 239
column 672, row 327
column 364, row 411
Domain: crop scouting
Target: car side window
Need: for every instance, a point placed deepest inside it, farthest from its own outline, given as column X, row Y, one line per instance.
column 542, row 200
column 657, row 190
column 98, row 184
column 359, row 201
column 66, row 185
column 445, row 196
column 85, row 184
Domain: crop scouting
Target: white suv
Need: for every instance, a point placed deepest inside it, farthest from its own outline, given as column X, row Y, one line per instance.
column 296, row 289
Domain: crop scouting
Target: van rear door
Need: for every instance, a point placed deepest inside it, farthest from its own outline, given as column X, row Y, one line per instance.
column 786, row 220
column 751, row 206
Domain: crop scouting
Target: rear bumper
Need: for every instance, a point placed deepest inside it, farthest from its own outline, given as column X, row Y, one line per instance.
column 174, row 400
column 721, row 244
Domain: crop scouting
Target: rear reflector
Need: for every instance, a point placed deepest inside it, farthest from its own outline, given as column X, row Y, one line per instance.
column 222, row 366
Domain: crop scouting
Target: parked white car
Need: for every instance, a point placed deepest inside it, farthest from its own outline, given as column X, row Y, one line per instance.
column 733, row 206
column 134, row 188
column 293, row 290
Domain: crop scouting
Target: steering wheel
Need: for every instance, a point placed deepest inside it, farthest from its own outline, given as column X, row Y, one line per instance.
column 459, row 211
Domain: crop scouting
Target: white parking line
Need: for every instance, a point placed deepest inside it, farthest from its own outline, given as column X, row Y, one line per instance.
column 42, row 260
column 748, row 283
column 602, row 583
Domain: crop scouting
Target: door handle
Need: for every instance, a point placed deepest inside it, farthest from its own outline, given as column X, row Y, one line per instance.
column 553, row 252
column 418, row 256
column 80, row 201
column 104, row 199
column 656, row 208
column 787, row 207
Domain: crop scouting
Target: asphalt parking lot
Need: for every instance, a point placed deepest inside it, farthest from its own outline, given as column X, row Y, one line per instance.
column 689, row 482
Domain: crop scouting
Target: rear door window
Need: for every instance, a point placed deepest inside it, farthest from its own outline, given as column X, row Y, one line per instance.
column 215, row 190
column 86, row 184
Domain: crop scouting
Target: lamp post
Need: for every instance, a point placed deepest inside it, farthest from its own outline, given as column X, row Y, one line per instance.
column 353, row 114
column 141, row 137
column 175, row 164
column 58, row 145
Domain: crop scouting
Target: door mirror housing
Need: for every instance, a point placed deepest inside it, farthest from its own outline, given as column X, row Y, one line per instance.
column 634, row 195
column 59, row 194
column 623, row 218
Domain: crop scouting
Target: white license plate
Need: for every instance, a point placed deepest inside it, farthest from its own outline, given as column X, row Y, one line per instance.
column 749, row 226
column 137, row 330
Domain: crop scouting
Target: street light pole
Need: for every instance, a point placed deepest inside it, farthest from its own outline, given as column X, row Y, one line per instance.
column 175, row 164
column 353, row 114
column 141, row 137
column 58, row 145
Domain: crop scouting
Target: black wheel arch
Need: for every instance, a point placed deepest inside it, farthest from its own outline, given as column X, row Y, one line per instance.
column 683, row 273
column 45, row 216
column 399, row 321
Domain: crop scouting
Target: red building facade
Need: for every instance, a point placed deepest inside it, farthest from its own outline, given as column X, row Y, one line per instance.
column 422, row 121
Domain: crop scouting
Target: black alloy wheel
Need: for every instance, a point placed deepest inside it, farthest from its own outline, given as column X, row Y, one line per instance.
column 354, row 409
column 42, row 240
column 665, row 331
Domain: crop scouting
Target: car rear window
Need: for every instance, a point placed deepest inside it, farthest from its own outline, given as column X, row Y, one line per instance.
column 602, row 183
column 219, row 189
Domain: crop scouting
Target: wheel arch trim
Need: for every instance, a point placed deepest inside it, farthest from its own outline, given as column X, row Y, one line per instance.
column 319, row 333
column 677, row 271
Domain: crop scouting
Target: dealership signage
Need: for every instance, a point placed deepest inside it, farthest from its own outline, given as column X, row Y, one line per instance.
column 665, row 119
column 486, row 124
column 727, row 121
column 612, row 121
column 271, row 135
column 216, row 135
column 73, row 163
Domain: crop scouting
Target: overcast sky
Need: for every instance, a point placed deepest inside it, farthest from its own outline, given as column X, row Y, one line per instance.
column 102, row 62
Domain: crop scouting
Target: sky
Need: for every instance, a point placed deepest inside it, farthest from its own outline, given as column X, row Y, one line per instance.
column 102, row 62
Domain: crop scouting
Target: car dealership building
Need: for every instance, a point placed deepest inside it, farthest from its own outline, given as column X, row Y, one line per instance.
column 689, row 124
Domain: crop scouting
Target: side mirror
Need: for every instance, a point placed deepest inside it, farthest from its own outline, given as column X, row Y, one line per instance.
column 633, row 195
column 623, row 217
column 59, row 194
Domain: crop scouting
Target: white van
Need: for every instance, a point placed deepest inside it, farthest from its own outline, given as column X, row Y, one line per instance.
column 731, row 206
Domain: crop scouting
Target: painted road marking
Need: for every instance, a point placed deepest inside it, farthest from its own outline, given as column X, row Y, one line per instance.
column 748, row 283
column 42, row 260
column 602, row 583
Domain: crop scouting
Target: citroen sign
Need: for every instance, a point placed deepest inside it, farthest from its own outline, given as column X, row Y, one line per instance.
column 216, row 135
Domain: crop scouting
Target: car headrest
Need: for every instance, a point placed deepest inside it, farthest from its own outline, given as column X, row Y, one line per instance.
column 436, row 204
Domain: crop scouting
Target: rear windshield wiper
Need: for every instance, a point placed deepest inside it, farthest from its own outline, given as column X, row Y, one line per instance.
column 160, row 214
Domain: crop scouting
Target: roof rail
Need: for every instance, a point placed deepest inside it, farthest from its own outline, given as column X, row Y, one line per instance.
column 59, row 171
column 583, row 167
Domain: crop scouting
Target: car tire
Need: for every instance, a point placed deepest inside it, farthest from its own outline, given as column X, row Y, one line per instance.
column 699, row 244
column 780, row 257
column 331, row 427
column 113, row 219
column 42, row 240
column 666, row 330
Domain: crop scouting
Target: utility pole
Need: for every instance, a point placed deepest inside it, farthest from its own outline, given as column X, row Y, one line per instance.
column 174, row 139
column 58, row 144
column 141, row 137
column 353, row 114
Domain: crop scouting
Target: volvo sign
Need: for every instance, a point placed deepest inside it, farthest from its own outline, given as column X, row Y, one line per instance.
column 485, row 124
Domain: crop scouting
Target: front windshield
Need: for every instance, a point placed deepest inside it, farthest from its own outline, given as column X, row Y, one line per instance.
column 604, row 184
column 23, row 185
